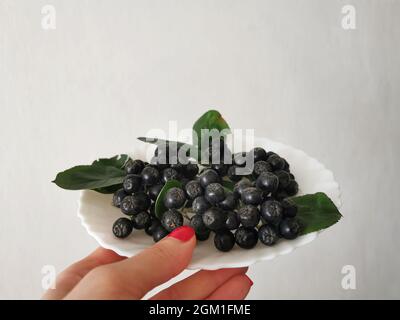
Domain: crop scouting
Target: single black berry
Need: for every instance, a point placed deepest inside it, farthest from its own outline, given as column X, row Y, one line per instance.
column 150, row 175
column 289, row 208
column 159, row 233
column 232, row 220
column 224, row 240
column 246, row 238
column 174, row 198
column 132, row 183
column 230, row 201
column 267, row 182
column 276, row 162
column 292, row 188
column 203, row 236
column 249, row 216
column 209, row 176
column 200, row 205
column 271, row 211
column 214, row 219
column 196, row 222
column 127, row 206
column 252, row 196
column 172, row 219
column 140, row 202
column 118, row 196
column 134, row 166
column 259, row 154
column 193, row 189
column 214, row 193
column 240, row 186
column 267, row 235
column 260, row 167
column 154, row 191
column 154, row 224
column 280, row 195
column 170, row 174
column 289, row 228
column 122, row 228
column 284, row 178
column 190, row 170
column 141, row 220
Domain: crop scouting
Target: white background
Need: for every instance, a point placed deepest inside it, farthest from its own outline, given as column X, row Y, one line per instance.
column 112, row 70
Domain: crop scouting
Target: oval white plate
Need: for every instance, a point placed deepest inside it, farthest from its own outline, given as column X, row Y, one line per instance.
column 97, row 215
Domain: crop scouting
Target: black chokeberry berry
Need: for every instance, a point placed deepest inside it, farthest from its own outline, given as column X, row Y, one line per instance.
column 230, row 201
column 214, row 193
column 289, row 228
column 284, row 178
column 159, row 233
column 214, row 219
column 252, row 196
column 246, row 238
column 171, row 219
column 196, row 222
column 276, row 162
column 122, row 228
column 200, row 205
column 260, row 167
column 141, row 220
column 249, row 216
column 132, row 183
column 280, row 195
column 289, row 208
column 150, row 175
column 134, row 166
column 127, row 206
column 193, row 189
column 170, row 174
column 203, row 236
column 118, row 196
column 224, row 240
column 154, row 191
column 267, row 235
column 271, row 211
column 174, row 198
column 240, row 186
column 292, row 188
column 259, row 154
column 140, row 202
column 232, row 220
column 154, row 224
column 209, row 176
column 267, row 182
column 190, row 170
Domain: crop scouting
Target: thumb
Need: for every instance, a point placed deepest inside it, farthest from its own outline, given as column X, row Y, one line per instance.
column 134, row 277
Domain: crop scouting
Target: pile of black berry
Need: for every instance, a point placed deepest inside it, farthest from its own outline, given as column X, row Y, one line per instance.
column 258, row 207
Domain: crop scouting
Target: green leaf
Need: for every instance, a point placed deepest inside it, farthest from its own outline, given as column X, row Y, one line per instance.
column 117, row 161
column 89, row 177
column 228, row 184
column 159, row 207
column 315, row 212
column 213, row 121
column 110, row 189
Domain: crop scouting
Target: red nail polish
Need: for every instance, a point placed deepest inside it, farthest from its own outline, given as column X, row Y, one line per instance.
column 183, row 233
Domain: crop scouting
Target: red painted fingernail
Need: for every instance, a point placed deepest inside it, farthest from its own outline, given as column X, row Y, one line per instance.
column 183, row 233
column 251, row 282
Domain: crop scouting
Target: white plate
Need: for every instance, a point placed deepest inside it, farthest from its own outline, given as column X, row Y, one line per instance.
column 97, row 215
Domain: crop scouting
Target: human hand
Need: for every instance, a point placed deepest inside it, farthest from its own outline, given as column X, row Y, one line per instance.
column 106, row 275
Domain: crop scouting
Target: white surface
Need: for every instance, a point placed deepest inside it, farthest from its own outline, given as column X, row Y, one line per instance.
column 285, row 68
column 98, row 216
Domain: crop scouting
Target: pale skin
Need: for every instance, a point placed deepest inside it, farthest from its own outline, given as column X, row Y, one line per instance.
column 106, row 275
